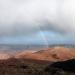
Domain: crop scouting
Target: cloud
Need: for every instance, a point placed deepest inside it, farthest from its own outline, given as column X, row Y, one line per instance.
column 25, row 17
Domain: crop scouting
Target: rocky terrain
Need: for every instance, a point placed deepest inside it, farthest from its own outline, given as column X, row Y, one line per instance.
column 49, row 61
column 50, row 54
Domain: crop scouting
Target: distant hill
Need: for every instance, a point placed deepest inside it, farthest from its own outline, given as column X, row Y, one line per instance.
column 49, row 54
column 57, row 53
column 17, row 47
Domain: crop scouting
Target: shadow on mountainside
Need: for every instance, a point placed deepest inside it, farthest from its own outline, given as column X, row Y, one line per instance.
column 66, row 66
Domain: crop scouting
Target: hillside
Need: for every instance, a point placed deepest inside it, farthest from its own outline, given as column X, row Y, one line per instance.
column 50, row 54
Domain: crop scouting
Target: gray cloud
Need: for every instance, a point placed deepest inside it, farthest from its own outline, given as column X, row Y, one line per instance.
column 29, row 16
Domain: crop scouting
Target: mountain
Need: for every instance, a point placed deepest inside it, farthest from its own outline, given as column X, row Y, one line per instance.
column 49, row 54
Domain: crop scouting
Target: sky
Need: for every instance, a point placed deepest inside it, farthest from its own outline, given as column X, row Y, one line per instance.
column 37, row 22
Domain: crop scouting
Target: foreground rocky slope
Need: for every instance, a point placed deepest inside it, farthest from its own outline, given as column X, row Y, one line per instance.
column 68, row 66
column 34, row 67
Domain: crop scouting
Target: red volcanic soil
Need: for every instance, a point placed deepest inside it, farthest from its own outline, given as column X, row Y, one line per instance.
column 50, row 54
column 4, row 56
